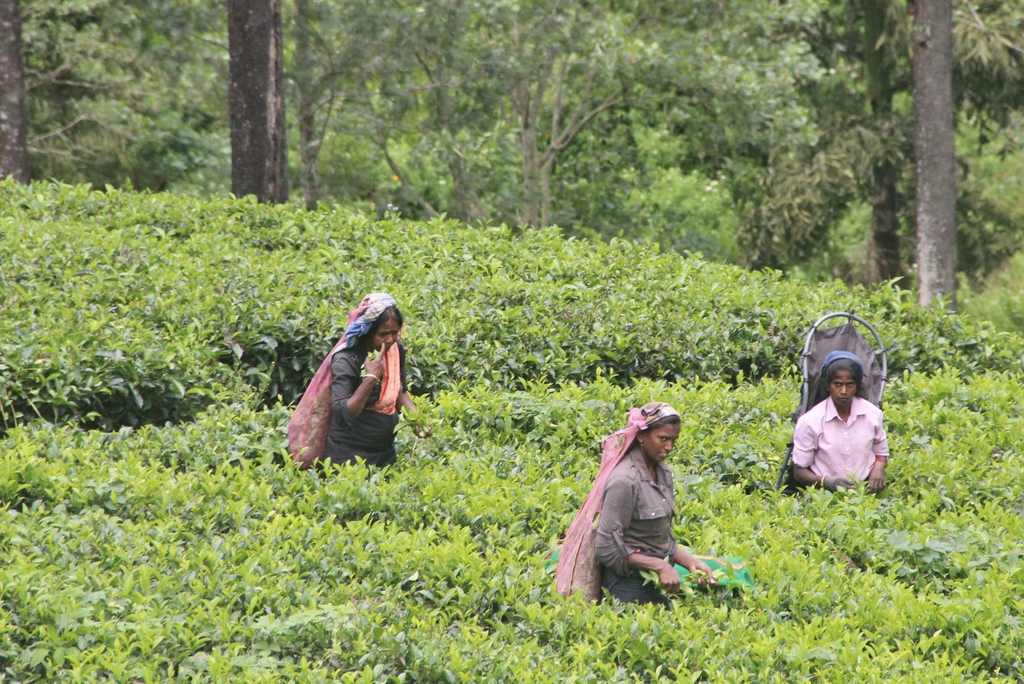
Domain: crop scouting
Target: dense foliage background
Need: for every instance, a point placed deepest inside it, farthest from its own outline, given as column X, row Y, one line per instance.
column 178, row 542
column 757, row 132
column 125, row 309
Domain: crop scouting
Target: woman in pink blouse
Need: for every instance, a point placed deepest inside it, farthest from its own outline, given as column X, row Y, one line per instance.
column 841, row 440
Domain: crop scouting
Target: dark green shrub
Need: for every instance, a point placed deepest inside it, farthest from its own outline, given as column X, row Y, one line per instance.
column 124, row 308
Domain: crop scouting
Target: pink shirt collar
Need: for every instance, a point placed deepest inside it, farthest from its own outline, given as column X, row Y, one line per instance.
column 857, row 408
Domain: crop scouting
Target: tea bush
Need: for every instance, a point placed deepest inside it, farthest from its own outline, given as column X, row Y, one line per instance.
column 121, row 309
column 1002, row 300
column 195, row 550
column 199, row 553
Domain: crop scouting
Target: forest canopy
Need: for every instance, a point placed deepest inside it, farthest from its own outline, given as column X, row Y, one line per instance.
column 756, row 132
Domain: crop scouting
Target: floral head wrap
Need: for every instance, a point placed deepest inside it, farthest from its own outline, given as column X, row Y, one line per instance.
column 655, row 411
column 361, row 319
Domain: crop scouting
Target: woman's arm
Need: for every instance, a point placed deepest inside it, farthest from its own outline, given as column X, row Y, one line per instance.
column 667, row 574
column 373, row 372
column 345, row 381
column 610, row 550
column 876, row 476
column 805, row 477
column 357, row 402
column 405, row 403
column 880, row 450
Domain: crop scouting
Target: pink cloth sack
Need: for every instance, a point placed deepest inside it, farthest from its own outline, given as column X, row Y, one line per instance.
column 578, row 569
column 308, row 428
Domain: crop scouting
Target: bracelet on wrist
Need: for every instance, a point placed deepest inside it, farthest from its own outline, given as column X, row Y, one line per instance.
column 376, row 380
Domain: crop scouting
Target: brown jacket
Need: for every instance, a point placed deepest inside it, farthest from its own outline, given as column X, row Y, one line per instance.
column 637, row 513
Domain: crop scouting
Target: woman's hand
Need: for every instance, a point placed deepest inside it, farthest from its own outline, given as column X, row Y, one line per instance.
column 876, row 477
column 696, row 565
column 420, row 426
column 376, row 366
column 833, row 483
column 669, row 578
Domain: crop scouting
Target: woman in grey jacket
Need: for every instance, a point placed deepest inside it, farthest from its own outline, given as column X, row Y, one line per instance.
column 635, row 528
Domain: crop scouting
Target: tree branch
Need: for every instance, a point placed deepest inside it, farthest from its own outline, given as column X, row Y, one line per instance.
column 977, row 23
column 556, row 111
column 383, row 144
column 60, row 131
column 572, row 131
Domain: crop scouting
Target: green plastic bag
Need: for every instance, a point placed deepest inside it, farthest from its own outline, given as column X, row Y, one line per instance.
column 730, row 571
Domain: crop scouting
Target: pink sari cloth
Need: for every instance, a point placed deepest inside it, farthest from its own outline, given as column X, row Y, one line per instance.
column 311, row 422
column 578, row 569
column 390, row 384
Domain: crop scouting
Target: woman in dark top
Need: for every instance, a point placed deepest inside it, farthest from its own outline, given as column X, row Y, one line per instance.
column 368, row 388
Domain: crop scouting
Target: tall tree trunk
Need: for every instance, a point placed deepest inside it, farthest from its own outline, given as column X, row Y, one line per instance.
column 884, row 251
column 545, row 190
column 531, row 174
column 13, row 117
column 466, row 203
column 934, row 151
column 884, row 261
column 259, row 151
column 309, row 142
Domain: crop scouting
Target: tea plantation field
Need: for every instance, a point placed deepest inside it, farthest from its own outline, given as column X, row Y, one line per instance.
column 152, row 528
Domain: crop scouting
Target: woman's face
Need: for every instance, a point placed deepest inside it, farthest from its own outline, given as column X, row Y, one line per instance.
column 842, row 388
column 658, row 443
column 385, row 335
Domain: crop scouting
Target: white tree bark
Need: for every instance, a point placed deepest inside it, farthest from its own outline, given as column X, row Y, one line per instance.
column 934, row 151
column 13, row 115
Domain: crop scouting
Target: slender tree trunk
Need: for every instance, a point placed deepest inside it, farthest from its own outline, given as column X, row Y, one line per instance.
column 884, row 252
column 528, row 101
column 885, row 226
column 934, row 151
column 545, row 190
column 467, row 204
column 309, row 142
column 531, row 173
column 13, row 116
column 259, row 152
column 278, row 124
column 407, row 192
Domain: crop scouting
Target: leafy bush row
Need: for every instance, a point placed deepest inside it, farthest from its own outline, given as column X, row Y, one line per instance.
column 191, row 553
column 123, row 309
column 1002, row 301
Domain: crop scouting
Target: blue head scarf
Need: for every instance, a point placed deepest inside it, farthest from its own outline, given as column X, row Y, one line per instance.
column 847, row 356
column 360, row 320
